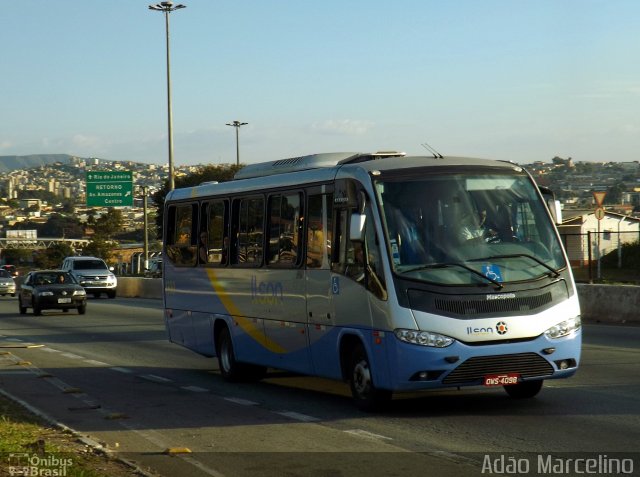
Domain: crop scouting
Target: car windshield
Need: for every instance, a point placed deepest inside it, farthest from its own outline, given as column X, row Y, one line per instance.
column 466, row 229
column 90, row 265
column 4, row 274
column 52, row 278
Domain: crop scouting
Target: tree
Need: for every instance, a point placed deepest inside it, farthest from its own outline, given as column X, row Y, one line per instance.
column 99, row 247
column 614, row 193
column 53, row 256
column 219, row 173
column 60, row 225
column 109, row 224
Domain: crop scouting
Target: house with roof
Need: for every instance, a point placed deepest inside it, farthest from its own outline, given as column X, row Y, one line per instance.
column 605, row 235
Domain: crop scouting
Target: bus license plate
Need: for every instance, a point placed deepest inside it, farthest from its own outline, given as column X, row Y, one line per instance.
column 64, row 300
column 508, row 379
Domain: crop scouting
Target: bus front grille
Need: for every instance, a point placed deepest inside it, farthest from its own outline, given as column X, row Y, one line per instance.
column 527, row 365
column 481, row 306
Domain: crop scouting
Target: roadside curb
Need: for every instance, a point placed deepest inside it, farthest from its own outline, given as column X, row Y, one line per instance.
column 95, row 445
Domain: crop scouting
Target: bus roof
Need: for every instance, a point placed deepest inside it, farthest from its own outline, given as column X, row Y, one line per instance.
column 323, row 168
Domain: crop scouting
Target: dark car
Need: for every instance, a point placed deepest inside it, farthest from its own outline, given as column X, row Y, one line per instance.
column 51, row 289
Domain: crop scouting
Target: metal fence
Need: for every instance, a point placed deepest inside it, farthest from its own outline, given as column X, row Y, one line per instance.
column 604, row 257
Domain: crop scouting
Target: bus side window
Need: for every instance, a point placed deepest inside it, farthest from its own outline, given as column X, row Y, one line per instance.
column 250, row 231
column 339, row 249
column 182, row 234
column 375, row 274
column 319, row 230
column 284, row 230
column 217, row 242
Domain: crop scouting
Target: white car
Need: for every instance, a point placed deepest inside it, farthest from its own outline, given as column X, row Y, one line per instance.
column 7, row 283
column 93, row 274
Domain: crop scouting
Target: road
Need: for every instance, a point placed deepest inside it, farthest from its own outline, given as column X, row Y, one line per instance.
column 112, row 376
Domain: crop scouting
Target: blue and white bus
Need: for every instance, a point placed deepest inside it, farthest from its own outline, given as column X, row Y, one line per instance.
column 392, row 273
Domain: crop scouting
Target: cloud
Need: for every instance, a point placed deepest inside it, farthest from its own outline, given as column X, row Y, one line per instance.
column 342, row 127
column 83, row 141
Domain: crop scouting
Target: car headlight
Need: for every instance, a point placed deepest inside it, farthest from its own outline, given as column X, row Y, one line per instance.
column 79, row 293
column 46, row 293
column 563, row 329
column 423, row 338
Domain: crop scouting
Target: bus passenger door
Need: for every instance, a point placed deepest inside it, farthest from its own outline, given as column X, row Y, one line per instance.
column 318, row 279
column 280, row 287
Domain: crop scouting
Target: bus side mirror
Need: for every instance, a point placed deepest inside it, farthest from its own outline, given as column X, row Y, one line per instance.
column 556, row 210
column 356, row 228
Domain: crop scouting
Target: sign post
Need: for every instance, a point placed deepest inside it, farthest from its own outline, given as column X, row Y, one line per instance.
column 599, row 213
column 109, row 189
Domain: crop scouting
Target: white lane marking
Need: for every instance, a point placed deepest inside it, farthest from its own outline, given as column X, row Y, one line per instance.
column 18, row 340
column 72, row 356
column 195, row 389
column 50, row 350
column 97, row 363
column 121, row 370
column 367, row 434
column 153, row 377
column 242, row 402
column 297, row 416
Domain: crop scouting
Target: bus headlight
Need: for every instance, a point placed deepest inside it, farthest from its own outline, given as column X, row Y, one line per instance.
column 423, row 338
column 563, row 329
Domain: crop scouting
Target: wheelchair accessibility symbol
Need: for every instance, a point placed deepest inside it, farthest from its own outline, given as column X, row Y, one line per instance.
column 492, row 272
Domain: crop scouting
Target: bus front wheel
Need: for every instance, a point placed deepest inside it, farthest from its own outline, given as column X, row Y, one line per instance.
column 366, row 396
column 524, row 390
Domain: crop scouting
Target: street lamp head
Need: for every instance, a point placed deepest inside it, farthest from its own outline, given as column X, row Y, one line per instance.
column 166, row 7
column 236, row 124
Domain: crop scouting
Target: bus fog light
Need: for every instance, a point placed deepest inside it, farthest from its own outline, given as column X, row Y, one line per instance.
column 423, row 338
column 566, row 363
column 564, row 328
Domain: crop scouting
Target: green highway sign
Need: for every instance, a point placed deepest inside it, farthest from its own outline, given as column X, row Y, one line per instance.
column 109, row 189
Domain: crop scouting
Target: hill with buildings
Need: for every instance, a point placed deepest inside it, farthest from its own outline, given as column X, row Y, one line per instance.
column 14, row 163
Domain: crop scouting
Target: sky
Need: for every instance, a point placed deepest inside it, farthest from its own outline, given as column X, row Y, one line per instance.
column 522, row 80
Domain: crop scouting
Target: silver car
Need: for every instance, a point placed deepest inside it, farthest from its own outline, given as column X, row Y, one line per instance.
column 7, row 284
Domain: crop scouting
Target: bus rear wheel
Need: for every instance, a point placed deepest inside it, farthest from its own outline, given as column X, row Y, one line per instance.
column 366, row 396
column 524, row 390
column 231, row 369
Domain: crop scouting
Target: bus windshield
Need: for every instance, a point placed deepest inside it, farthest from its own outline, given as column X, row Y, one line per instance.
column 466, row 229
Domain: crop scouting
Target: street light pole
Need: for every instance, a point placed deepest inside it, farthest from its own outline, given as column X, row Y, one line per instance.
column 145, row 190
column 237, row 124
column 166, row 8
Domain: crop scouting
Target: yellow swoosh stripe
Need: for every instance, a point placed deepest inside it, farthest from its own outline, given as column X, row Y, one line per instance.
column 247, row 325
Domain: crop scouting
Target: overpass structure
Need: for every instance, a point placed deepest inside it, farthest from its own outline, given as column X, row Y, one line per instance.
column 40, row 243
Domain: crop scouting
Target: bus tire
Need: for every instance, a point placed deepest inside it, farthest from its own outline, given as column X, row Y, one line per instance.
column 366, row 396
column 524, row 390
column 229, row 367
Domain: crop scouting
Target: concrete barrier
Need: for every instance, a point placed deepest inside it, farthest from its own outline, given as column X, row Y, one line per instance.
column 136, row 287
column 603, row 303
column 610, row 303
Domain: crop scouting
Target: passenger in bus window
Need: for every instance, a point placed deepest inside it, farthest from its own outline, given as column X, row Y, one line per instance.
column 224, row 251
column 202, row 247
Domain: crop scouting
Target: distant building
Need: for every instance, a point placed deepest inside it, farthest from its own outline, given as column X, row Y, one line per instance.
column 615, row 230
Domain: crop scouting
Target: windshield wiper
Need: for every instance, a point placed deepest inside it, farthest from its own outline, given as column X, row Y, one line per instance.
column 454, row 264
column 553, row 271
